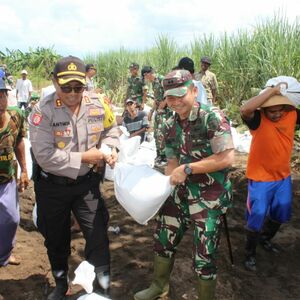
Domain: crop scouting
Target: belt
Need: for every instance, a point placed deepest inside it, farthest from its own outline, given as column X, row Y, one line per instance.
column 61, row 180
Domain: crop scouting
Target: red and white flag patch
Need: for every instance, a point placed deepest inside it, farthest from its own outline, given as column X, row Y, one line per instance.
column 36, row 119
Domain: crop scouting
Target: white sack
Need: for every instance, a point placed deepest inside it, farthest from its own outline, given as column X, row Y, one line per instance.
column 84, row 276
column 128, row 148
column 293, row 90
column 241, row 141
column 145, row 155
column 92, row 296
column 141, row 190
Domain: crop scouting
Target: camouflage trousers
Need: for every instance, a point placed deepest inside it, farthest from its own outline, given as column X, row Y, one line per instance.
column 160, row 119
column 174, row 219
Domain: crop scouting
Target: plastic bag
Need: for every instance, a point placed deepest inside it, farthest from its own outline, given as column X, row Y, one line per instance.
column 141, row 190
column 85, row 275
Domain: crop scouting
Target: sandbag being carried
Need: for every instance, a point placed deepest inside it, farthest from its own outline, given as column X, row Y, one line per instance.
column 141, row 190
column 292, row 92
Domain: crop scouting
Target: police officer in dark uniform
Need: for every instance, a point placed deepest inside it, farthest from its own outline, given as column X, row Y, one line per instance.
column 66, row 130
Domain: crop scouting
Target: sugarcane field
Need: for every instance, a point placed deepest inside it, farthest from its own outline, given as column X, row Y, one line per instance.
column 164, row 165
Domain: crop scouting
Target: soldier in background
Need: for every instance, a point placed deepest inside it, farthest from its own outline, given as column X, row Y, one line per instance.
column 162, row 111
column 209, row 80
column 200, row 150
column 135, row 89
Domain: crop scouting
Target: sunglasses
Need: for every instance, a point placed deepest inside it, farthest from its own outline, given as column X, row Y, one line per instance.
column 76, row 89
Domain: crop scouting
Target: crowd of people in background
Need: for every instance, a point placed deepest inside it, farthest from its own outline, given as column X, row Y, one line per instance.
column 194, row 145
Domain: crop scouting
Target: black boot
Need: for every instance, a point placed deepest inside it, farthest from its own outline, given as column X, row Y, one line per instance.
column 251, row 243
column 62, row 285
column 269, row 231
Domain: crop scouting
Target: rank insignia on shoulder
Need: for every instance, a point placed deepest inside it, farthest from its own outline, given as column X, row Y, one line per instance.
column 58, row 103
column 61, row 145
column 36, row 119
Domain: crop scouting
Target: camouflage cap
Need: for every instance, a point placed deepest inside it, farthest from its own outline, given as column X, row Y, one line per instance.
column 68, row 69
column 134, row 66
column 176, row 83
column 206, row 59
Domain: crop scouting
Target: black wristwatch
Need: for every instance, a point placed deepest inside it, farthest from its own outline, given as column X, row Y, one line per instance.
column 187, row 169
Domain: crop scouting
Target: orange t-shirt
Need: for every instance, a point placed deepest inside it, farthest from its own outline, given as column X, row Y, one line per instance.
column 271, row 148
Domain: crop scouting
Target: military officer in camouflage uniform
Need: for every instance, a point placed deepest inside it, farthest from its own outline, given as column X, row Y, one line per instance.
column 66, row 130
column 208, row 79
column 136, row 88
column 199, row 149
column 162, row 111
column 12, row 133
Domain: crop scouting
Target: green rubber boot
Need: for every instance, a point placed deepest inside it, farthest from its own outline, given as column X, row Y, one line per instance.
column 160, row 283
column 206, row 289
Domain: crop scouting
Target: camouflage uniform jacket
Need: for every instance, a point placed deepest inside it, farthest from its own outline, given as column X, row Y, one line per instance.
column 9, row 137
column 158, row 91
column 209, row 82
column 135, row 88
column 204, row 133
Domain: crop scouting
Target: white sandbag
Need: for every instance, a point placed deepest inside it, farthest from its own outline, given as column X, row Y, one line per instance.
column 146, row 154
column 128, row 148
column 292, row 91
column 92, row 296
column 84, row 276
column 141, row 190
column 109, row 172
column 241, row 141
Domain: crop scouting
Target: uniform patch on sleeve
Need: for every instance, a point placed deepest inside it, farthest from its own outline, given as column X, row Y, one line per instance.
column 36, row 119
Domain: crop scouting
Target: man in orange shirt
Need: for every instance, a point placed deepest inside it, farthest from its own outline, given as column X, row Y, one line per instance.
column 271, row 119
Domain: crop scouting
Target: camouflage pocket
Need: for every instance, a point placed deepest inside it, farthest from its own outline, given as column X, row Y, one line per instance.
column 211, row 235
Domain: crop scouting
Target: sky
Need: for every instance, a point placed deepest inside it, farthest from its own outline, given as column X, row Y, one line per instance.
column 81, row 27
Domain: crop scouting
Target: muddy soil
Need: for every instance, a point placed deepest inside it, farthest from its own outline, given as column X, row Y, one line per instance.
column 277, row 278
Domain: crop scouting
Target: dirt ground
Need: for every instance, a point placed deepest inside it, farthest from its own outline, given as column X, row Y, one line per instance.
column 277, row 278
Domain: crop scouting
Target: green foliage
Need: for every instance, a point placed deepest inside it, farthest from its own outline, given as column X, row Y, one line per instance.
column 242, row 61
column 38, row 62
